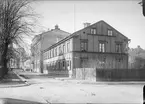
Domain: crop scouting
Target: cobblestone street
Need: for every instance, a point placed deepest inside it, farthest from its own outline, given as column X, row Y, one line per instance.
column 52, row 90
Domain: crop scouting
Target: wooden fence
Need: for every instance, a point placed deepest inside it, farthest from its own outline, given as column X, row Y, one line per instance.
column 58, row 73
column 110, row 74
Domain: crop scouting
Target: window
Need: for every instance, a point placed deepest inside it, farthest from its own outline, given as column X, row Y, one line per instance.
column 63, row 48
column 49, row 53
column 59, row 50
column 46, row 55
column 56, row 51
column 101, row 47
column 63, row 63
column 68, row 46
column 53, row 52
column 119, row 59
column 84, row 45
column 83, row 61
column 59, row 65
column 110, row 32
column 93, row 31
column 118, row 47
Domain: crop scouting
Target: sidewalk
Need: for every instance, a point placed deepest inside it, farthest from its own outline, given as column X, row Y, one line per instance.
column 77, row 81
column 12, row 80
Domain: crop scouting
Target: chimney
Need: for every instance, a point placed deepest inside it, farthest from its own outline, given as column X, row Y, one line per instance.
column 138, row 46
column 87, row 24
column 56, row 27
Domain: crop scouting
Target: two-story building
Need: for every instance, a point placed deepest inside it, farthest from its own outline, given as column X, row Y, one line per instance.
column 43, row 41
column 96, row 43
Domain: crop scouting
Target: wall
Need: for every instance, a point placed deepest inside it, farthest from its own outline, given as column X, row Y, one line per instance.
column 61, row 61
column 93, row 46
column 93, row 39
column 110, row 74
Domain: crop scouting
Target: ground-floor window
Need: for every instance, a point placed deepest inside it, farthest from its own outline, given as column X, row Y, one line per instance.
column 68, row 65
column 84, row 62
column 118, row 62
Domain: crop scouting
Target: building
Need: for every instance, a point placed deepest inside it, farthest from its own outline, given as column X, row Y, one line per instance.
column 96, row 43
column 43, row 41
column 136, row 58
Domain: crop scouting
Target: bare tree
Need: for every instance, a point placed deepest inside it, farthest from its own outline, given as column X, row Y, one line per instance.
column 15, row 25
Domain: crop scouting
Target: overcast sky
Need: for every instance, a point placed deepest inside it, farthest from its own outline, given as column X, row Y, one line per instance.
column 125, row 16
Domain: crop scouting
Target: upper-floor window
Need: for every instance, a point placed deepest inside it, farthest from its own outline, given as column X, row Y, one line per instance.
column 84, row 45
column 110, row 33
column 63, row 48
column 51, row 52
column 47, row 55
column 118, row 47
column 93, row 31
column 59, row 50
column 68, row 46
column 56, row 51
column 102, row 47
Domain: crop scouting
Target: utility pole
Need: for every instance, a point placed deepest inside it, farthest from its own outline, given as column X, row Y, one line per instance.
column 143, row 6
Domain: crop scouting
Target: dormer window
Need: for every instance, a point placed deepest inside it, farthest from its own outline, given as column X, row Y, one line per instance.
column 110, row 32
column 93, row 31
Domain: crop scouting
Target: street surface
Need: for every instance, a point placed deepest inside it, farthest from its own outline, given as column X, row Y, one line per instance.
column 45, row 89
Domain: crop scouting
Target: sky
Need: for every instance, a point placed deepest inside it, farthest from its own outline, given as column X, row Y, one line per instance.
column 125, row 16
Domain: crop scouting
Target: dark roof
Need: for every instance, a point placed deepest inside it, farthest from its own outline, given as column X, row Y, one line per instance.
column 53, row 33
column 56, row 32
column 75, row 34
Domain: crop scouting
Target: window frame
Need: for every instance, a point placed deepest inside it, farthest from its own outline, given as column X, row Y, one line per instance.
column 102, row 48
column 56, row 51
column 84, row 45
column 110, row 31
column 59, row 49
column 93, row 31
column 68, row 46
column 118, row 47
column 63, row 48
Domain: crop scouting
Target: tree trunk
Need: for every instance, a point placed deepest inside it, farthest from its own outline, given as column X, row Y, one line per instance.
column 4, row 60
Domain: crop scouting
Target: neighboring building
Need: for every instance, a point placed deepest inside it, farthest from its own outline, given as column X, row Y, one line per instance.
column 43, row 41
column 97, row 42
column 136, row 58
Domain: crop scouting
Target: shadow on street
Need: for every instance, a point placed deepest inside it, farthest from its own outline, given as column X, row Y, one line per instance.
column 17, row 101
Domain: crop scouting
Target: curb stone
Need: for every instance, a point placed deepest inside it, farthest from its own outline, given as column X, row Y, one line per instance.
column 107, row 83
column 11, row 86
column 22, row 79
